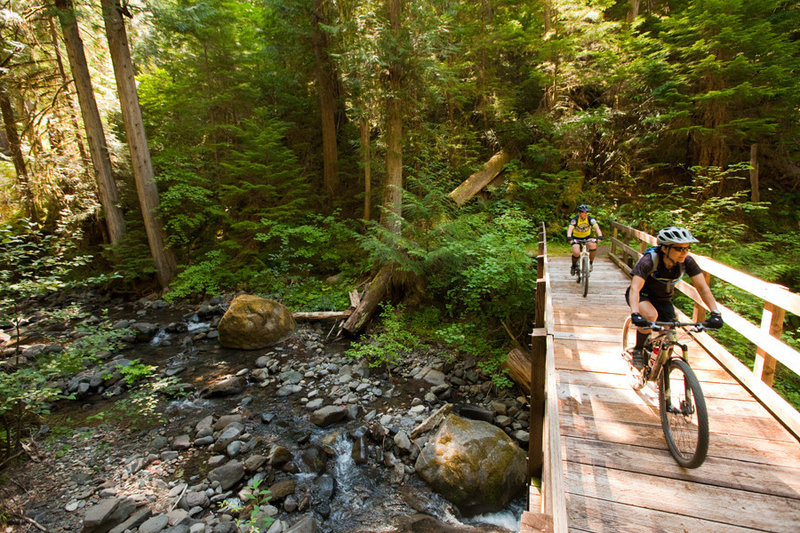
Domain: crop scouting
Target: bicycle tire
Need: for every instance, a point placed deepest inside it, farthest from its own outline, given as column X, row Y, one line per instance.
column 585, row 275
column 628, row 335
column 686, row 433
column 628, row 342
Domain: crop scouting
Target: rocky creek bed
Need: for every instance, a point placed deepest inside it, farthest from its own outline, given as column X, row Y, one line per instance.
column 335, row 441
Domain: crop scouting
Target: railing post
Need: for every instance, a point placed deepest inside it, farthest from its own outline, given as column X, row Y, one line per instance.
column 698, row 311
column 615, row 235
column 538, row 360
column 772, row 324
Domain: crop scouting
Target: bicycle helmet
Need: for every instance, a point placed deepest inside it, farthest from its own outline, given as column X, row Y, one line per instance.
column 583, row 208
column 675, row 235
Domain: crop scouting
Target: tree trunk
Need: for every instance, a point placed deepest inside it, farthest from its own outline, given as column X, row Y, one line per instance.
column 70, row 102
column 10, row 123
column 137, row 141
column 634, row 9
column 548, row 15
column 372, row 297
column 393, row 186
column 755, row 194
column 478, row 180
column 320, row 315
column 518, row 364
column 106, row 187
column 328, row 94
column 366, row 163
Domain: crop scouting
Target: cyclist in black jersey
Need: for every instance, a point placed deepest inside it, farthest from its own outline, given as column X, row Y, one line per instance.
column 653, row 281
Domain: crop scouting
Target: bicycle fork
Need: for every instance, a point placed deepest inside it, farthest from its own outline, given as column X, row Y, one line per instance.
column 686, row 407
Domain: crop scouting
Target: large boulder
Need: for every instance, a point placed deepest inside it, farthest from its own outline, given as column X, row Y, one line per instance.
column 251, row 323
column 473, row 464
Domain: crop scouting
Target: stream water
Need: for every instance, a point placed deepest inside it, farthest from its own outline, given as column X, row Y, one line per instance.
column 354, row 495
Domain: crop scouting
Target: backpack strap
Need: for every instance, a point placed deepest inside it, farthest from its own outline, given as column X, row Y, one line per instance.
column 654, row 257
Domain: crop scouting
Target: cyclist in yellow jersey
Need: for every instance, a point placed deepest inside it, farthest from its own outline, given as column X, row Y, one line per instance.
column 580, row 227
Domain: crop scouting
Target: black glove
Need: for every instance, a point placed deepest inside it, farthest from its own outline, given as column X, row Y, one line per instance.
column 714, row 321
column 571, row 240
column 639, row 320
column 599, row 238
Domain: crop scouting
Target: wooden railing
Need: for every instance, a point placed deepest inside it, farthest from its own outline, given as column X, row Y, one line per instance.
column 766, row 338
column 544, row 447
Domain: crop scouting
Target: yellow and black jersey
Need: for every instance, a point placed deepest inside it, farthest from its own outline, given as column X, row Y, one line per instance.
column 582, row 228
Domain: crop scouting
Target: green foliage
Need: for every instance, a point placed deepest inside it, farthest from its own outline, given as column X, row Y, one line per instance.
column 34, row 263
column 256, row 522
column 462, row 338
column 390, row 345
column 96, row 340
column 141, row 409
column 320, row 244
column 207, row 276
column 27, row 391
column 483, row 267
column 312, row 294
column 286, row 265
column 135, row 371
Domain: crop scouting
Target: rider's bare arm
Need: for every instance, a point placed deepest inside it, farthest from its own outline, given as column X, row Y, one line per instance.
column 637, row 283
column 699, row 282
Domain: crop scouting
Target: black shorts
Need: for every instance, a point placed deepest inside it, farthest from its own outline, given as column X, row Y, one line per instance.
column 666, row 311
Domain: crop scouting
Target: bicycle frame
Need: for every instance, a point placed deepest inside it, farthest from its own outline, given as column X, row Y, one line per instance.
column 666, row 338
column 584, row 264
column 663, row 342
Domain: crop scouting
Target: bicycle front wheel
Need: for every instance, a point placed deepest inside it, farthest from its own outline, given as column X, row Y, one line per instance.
column 585, row 275
column 684, row 417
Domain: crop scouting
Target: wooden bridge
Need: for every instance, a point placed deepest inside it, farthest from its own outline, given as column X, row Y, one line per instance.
column 597, row 446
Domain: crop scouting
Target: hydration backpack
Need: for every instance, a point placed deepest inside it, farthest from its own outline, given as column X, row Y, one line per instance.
column 653, row 253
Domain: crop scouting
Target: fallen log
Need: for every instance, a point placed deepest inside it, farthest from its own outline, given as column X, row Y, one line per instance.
column 369, row 302
column 518, row 363
column 477, row 181
column 321, row 315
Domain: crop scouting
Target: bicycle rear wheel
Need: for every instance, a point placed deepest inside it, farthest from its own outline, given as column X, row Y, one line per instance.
column 585, row 275
column 684, row 418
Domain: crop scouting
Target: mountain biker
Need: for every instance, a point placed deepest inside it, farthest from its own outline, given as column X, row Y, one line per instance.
column 580, row 227
column 653, row 282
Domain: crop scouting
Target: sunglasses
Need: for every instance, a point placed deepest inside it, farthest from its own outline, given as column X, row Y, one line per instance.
column 681, row 249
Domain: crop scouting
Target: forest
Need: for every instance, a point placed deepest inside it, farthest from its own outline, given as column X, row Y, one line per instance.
column 297, row 149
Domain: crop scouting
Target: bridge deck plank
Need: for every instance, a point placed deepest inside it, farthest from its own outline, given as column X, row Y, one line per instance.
column 620, row 475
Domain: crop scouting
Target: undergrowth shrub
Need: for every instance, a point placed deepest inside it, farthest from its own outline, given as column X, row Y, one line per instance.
column 34, row 264
column 387, row 347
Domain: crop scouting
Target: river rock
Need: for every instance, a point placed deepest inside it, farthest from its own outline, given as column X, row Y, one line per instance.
column 231, row 432
column 473, row 464
column 154, row 524
column 251, row 323
column 328, row 415
column 228, row 386
column 228, row 474
column 281, row 489
column 133, row 521
column 97, row 515
column 307, row 524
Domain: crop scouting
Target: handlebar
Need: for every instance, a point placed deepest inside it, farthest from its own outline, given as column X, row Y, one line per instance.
column 698, row 326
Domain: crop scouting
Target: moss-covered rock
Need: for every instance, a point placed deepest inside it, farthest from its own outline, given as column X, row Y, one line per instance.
column 473, row 464
column 251, row 323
